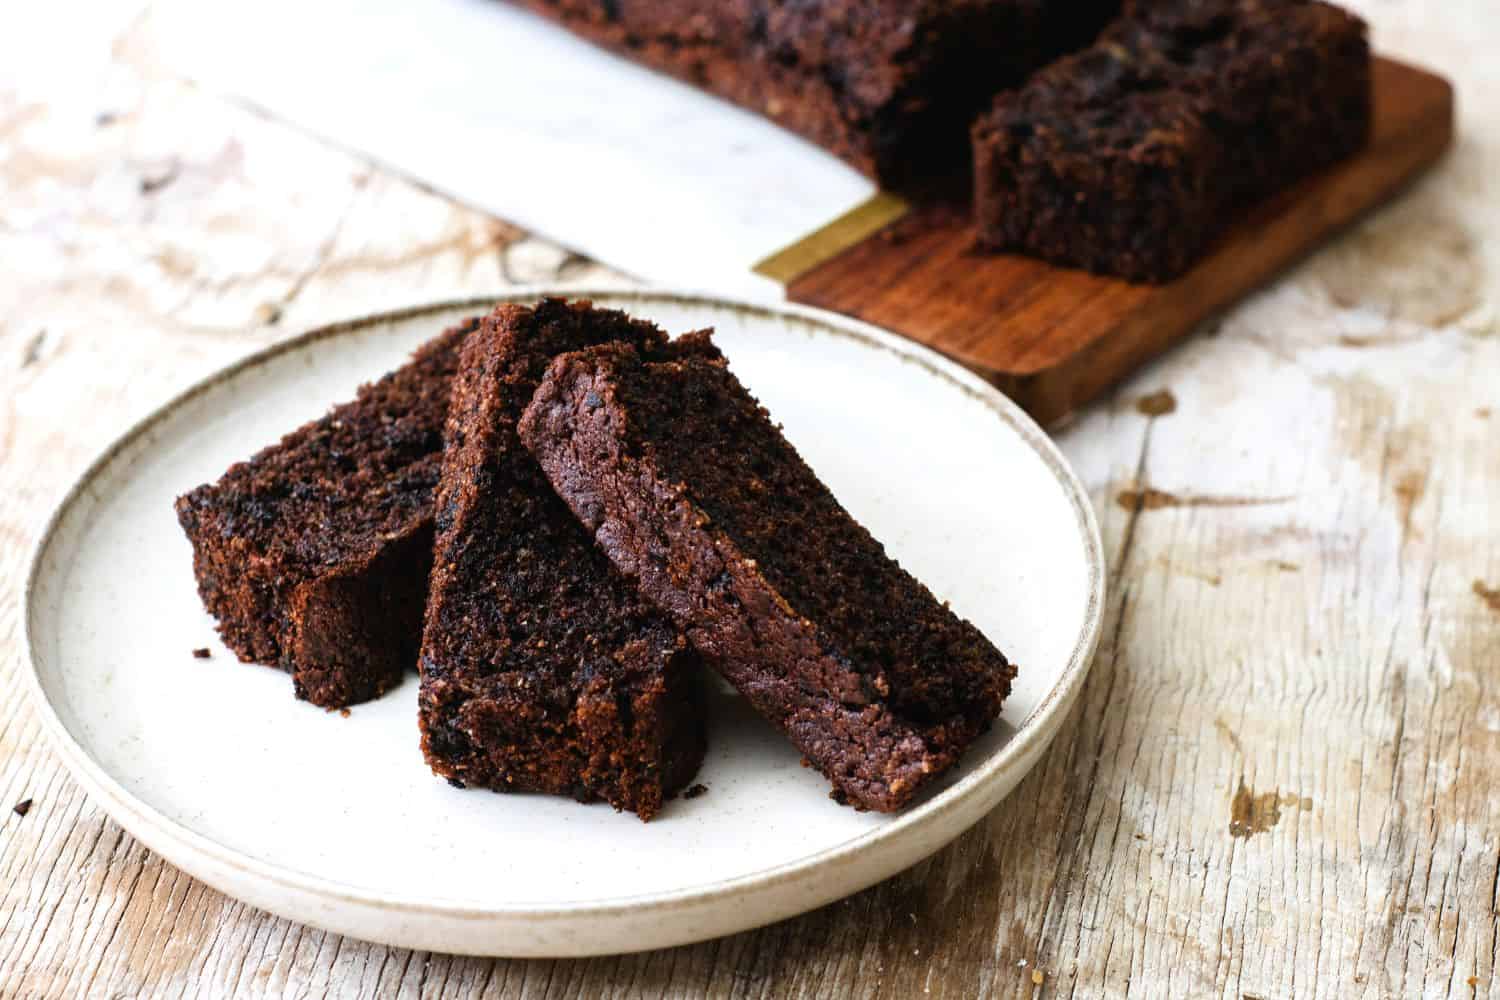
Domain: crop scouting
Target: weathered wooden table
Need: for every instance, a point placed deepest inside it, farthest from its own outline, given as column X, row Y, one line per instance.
column 1281, row 778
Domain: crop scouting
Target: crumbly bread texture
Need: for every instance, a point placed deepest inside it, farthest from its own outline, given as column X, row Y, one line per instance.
column 887, row 85
column 313, row 555
column 695, row 494
column 1130, row 157
column 543, row 670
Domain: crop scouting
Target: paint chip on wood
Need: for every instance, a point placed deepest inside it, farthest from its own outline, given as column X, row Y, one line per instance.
column 1157, row 404
column 1409, row 490
column 1489, row 595
column 1149, row 498
column 1250, row 813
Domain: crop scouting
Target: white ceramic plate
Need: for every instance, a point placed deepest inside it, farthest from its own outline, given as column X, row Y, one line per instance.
column 337, row 822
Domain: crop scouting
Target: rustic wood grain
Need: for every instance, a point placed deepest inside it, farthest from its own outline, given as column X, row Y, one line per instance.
column 1279, row 780
column 1054, row 338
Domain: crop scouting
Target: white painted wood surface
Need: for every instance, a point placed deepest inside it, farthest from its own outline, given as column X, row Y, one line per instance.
column 1280, row 780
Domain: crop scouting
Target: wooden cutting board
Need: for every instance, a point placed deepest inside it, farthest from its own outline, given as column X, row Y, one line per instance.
column 1052, row 338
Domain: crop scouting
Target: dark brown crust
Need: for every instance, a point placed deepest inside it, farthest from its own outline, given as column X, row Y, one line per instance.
column 694, row 493
column 542, row 669
column 1130, row 157
column 313, row 555
column 887, row 85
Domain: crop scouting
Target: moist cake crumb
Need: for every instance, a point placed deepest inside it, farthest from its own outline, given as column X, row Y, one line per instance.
column 1129, row 157
column 313, row 555
column 542, row 669
column 697, row 496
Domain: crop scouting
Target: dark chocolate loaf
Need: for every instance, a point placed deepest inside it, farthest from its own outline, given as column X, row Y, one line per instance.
column 313, row 555
column 542, row 668
column 695, row 494
column 887, row 85
column 1130, row 157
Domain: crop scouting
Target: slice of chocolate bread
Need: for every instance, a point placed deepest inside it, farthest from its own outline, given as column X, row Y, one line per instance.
column 543, row 669
column 1130, row 157
column 313, row 555
column 695, row 494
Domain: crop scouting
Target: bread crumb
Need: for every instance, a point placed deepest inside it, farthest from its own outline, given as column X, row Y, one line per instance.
column 202, row 653
column 1038, row 977
column 23, row 807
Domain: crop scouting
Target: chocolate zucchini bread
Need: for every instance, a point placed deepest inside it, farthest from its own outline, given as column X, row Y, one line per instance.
column 313, row 555
column 1130, row 157
column 695, row 494
column 887, row 85
column 542, row 668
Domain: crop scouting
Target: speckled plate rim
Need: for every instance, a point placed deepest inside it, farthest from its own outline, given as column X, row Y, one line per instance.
column 775, row 893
